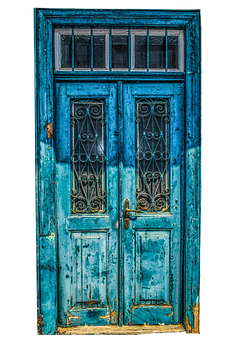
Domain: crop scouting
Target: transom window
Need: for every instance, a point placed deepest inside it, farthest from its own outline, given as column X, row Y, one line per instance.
column 119, row 50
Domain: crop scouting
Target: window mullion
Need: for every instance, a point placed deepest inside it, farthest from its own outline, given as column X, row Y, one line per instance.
column 166, row 52
column 73, row 49
column 147, row 49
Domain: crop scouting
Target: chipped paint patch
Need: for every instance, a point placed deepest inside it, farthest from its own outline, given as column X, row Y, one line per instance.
column 172, row 313
column 104, row 316
column 113, row 316
column 195, row 328
column 51, row 237
column 71, row 317
column 188, row 326
column 149, row 306
column 196, row 318
column 40, row 324
column 49, row 130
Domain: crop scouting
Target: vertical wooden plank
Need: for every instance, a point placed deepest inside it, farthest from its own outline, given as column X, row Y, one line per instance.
column 193, row 179
column 46, row 167
column 177, row 112
column 128, row 187
column 48, row 284
column 66, row 292
column 120, row 198
column 37, row 162
column 112, row 199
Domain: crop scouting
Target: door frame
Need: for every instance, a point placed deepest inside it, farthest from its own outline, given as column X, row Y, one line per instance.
column 45, row 20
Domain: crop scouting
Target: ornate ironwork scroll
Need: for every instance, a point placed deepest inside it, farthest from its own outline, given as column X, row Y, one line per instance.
column 88, row 157
column 152, row 155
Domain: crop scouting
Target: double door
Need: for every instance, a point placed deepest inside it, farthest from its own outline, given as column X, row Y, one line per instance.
column 119, row 147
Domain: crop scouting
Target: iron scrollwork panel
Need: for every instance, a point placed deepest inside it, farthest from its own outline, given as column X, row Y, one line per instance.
column 152, row 155
column 88, row 156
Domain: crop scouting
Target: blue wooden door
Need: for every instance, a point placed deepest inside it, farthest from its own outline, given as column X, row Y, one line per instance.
column 115, row 144
column 87, row 203
column 152, row 166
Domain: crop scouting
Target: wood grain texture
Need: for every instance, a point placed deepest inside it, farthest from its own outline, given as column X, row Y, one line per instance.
column 142, row 242
column 120, row 330
column 193, row 175
column 53, row 163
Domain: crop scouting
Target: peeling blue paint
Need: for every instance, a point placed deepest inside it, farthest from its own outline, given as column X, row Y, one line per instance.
column 101, row 254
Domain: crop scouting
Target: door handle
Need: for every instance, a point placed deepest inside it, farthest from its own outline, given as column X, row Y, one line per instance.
column 127, row 213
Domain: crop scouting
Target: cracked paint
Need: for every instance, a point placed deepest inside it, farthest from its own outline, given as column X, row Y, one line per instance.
column 71, row 317
column 49, row 130
column 51, row 237
column 195, row 328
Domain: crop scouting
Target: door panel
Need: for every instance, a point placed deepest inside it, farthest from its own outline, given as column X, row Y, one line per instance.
column 152, row 266
column 91, row 185
column 87, row 208
column 151, row 250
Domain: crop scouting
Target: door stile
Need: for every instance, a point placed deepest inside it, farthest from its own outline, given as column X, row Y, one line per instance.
column 120, row 200
column 112, row 202
column 177, row 179
column 128, row 189
column 162, row 229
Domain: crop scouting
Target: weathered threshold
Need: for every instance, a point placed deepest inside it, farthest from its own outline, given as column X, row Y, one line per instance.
column 120, row 330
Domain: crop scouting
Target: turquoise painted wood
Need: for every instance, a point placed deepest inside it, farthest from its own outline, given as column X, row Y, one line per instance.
column 88, row 243
column 86, row 258
column 151, row 248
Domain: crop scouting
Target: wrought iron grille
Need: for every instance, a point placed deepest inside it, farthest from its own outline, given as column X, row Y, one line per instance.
column 152, row 155
column 88, row 156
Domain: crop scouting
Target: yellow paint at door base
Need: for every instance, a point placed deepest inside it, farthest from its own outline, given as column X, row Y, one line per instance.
column 120, row 330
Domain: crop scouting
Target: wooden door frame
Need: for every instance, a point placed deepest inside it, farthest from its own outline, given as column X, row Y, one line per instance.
column 45, row 21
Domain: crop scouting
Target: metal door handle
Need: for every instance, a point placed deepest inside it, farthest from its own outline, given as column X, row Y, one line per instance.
column 127, row 213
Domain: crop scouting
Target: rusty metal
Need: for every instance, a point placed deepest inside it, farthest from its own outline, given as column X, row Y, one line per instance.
column 127, row 213
column 88, row 157
column 152, row 155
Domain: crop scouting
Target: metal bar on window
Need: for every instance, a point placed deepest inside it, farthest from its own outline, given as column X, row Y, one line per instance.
column 129, row 49
column 147, row 49
column 92, row 57
column 72, row 49
column 110, row 49
column 166, row 52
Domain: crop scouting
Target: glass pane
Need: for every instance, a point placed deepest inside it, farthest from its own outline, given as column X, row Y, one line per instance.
column 82, row 51
column 119, row 51
column 88, row 156
column 99, row 51
column 157, row 52
column 152, row 155
column 140, row 51
column 66, row 51
column 172, row 52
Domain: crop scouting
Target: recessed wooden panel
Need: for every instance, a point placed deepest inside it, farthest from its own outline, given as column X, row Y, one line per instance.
column 91, row 269
column 152, row 267
column 152, row 315
column 89, row 316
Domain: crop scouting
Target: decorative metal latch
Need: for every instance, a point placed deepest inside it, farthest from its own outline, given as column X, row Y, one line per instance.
column 127, row 213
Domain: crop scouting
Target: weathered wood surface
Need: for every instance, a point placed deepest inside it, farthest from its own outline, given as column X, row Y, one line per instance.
column 193, row 176
column 120, row 330
column 48, row 159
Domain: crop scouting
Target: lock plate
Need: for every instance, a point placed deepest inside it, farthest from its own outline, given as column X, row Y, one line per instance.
column 127, row 214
